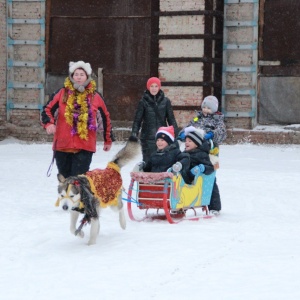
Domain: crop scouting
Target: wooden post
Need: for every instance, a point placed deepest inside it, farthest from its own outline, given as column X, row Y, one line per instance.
column 100, row 81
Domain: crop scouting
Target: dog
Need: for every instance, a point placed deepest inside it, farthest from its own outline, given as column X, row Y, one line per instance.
column 96, row 189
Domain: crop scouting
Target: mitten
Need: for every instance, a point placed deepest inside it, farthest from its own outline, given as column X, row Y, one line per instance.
column 133, row 138
column 177, row 167
column 141, row 165
column 181, row 136
column 198, row 169
column 209, row 135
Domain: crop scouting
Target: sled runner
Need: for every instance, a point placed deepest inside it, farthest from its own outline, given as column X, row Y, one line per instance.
column 167, row 196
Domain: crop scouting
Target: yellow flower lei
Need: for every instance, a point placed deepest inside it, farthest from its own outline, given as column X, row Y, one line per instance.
column 78, row 112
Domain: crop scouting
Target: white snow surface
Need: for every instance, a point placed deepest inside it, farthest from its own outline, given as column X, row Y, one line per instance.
column 250, row 252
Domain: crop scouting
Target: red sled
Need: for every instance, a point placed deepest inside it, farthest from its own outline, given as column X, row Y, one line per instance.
column 165, row 196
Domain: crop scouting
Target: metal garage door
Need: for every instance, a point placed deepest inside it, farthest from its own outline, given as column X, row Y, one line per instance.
column 110, row 34
column 279, row 61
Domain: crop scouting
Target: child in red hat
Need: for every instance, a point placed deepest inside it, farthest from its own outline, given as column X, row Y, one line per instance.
column 168, row 154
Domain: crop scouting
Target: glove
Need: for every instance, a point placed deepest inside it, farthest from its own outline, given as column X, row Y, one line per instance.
column 139, row 167
column 177, row 167
column 209, row 135
column 198, row 169
column 133, row 138
column 181, row 136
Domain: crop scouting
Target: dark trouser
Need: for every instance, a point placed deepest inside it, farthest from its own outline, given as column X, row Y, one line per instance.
column 73, row 164
column 215, row 200
column 148, row 147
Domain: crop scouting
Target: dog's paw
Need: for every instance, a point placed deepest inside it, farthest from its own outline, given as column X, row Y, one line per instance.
column 80, row 234
column 91, row 242
column 122, row 219
column 123, row 223
column 123, row 226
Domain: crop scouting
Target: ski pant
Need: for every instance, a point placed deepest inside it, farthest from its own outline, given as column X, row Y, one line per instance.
column 73, row 164
column 215, row 200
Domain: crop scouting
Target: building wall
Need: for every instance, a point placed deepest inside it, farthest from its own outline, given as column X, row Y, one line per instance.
column 182, row 71
column 240, row 60
column 24, row 123
column 2, row 67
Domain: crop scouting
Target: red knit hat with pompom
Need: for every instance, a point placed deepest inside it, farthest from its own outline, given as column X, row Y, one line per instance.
column 153, row 80
column 166, row 133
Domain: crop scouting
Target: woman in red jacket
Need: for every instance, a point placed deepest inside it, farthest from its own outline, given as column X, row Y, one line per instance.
column 74, row 114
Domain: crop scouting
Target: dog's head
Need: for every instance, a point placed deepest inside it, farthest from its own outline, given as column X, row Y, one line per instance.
column 69, row 192
column 74, row 193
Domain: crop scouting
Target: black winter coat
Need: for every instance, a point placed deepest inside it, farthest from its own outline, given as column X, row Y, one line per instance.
column 198, row 156
column 162, row 160
column 147, row 119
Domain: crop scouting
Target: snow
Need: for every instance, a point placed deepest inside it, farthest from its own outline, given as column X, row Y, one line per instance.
column 250, row 252
column 272, row 128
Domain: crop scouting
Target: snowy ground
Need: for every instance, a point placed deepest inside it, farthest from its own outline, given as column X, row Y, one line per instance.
column 250, row 252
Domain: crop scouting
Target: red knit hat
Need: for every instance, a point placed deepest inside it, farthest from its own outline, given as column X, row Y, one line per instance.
column 153, row 80
column 166, row 133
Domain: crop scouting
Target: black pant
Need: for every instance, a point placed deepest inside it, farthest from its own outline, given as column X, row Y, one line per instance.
column 148, row 147
column 215, row 200
column 73, row 164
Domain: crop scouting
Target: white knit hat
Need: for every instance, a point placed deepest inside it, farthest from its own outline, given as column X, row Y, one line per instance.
column 80, row 64
column 195, row 134
column 210, row 102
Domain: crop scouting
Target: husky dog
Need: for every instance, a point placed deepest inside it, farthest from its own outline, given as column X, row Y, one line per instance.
column 96, row 189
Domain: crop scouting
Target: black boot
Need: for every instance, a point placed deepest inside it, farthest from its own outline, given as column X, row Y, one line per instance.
column 215, row 200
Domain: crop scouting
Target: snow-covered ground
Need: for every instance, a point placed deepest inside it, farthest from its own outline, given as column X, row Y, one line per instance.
column 250, row 252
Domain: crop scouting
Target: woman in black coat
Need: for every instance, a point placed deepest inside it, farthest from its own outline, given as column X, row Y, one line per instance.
column 154, row 111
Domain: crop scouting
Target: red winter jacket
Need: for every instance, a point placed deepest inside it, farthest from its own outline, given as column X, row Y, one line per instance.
column 53, row 113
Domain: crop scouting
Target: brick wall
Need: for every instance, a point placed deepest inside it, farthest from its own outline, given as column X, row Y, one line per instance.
column 2, row 67
column 20, row 122
column 240, row 59
column 174, row 48
column 24, row 124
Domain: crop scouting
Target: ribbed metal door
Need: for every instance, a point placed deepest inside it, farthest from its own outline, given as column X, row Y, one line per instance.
column 279, row 62
column 111, row 34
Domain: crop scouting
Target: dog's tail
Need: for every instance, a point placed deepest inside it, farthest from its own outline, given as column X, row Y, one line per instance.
column 128, row 152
